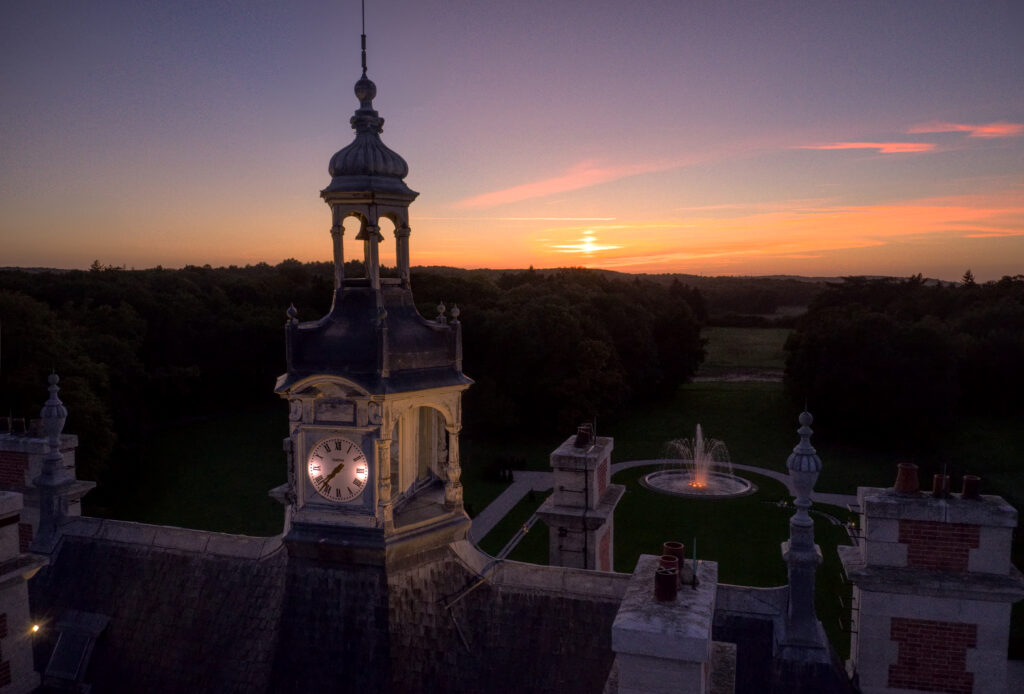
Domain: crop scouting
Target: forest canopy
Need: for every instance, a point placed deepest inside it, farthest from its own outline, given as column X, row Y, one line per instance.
column 141, row 349
column 899, row 360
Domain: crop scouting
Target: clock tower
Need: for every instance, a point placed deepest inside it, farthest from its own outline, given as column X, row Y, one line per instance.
column 374, row 389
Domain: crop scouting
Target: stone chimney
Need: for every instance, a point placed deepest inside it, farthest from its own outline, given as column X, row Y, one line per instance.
column 932, row 590
column 579, row 511
column 666, row 646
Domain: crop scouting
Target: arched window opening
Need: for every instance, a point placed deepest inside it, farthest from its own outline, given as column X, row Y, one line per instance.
column 419, row 450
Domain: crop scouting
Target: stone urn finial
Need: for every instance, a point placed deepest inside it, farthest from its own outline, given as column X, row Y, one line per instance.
column 53, row 414
column 804, row 464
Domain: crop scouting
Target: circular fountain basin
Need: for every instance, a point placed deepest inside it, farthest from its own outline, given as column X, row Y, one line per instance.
column 717, row 485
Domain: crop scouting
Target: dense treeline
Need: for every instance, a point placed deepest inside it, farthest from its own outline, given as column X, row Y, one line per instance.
column 751, row 301
column 138, row 350
column 549, row 350
column 897, row 360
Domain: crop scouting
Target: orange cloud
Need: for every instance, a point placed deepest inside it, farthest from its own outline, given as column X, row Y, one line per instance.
column 882, row 147
column 994, row 234
column 583, row 175
column 801, row 232
column 518, row 219
column 999, row 129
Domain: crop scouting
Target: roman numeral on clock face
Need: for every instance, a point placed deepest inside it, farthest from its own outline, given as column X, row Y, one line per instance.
column 337, row 469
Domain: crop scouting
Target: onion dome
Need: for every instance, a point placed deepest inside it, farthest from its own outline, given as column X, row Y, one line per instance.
column 367, row 164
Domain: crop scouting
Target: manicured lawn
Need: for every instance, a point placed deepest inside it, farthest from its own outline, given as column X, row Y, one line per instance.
column 482, row 458
column 743, row 350
column 754, row 420
column 212, row 474
column 533, row 548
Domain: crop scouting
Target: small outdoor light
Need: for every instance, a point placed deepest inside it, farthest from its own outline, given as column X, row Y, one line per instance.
column 35, row 628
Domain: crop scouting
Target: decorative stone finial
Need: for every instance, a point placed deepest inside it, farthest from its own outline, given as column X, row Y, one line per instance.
column 292, row 312
column 365, row 91
column 440, row 312
column 366, row 119
column 455, row 313
column 804, row 465
column 804, row 458
column 53, row 414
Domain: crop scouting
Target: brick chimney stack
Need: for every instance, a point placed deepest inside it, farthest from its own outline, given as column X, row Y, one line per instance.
column 933, row 586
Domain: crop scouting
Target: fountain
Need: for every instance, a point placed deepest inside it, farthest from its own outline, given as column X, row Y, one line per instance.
column 704, row 470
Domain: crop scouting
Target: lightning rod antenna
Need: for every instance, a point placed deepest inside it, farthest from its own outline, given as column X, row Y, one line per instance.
column 363, row 37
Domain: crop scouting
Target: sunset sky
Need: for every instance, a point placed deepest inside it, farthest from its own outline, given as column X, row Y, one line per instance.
column 814, row 138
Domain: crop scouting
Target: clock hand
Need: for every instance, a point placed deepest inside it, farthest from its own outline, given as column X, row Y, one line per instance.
column 334, row 472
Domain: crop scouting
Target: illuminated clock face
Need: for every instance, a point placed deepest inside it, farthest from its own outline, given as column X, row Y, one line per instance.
column 338, row 469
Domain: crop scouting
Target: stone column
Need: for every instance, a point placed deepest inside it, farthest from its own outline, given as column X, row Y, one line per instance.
column 402, row 253
column 337, row 234
column 384, row 480
column 453, row 470
column 371, row 237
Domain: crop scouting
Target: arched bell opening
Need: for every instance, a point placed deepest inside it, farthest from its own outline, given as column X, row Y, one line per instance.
column 346, row 223
column 420, row 449
column 385, row 237
column 397, row 252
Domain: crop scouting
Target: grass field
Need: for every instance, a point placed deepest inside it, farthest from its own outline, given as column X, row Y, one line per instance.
column 533, row 548
column 753, row 352
column 212, row 474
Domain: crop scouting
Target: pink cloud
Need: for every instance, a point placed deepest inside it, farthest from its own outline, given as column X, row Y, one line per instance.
column 583, row 175
column 882, row 147
column 999, row 129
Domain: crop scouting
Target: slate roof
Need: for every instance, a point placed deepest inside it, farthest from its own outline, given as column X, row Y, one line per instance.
column 420, row 354
column 179, row 621
column 233, row 614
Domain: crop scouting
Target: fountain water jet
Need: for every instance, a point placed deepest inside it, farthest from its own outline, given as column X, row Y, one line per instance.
column 704, row 470
column 700, row 457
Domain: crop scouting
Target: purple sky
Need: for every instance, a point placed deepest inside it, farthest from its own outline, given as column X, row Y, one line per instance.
column 815, row 138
